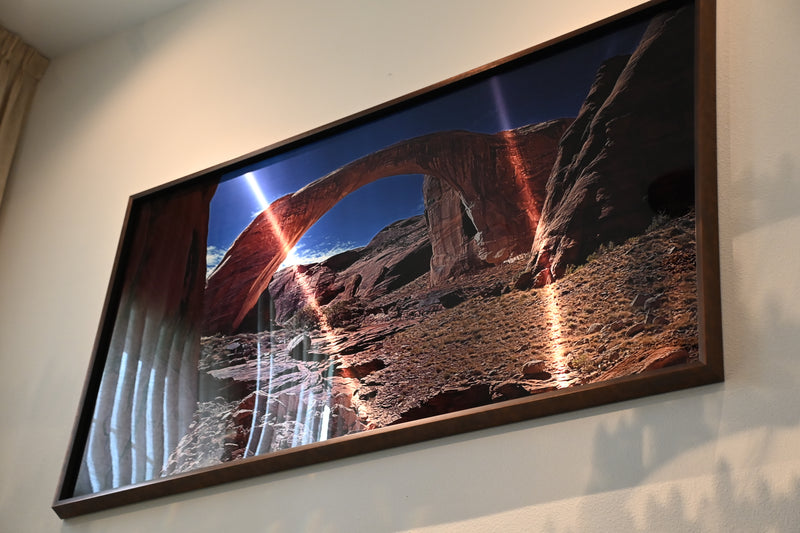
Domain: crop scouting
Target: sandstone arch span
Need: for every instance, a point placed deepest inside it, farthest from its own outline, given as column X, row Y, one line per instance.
column 500, row 178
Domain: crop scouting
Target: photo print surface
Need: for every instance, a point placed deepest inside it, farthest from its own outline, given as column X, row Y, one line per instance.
column 518, row 233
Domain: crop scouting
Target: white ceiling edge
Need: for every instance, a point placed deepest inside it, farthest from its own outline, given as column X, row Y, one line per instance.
column 57, row 27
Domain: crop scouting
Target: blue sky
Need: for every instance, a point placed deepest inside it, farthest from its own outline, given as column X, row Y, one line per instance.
column 550, row 87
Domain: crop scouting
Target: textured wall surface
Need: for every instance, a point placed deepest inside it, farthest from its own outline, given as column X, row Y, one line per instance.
column 216, row 79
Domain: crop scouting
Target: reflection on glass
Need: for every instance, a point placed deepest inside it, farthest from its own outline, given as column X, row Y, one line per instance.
column 378, row 276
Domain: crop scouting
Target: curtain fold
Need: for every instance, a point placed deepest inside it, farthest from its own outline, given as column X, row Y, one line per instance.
column 21, row 68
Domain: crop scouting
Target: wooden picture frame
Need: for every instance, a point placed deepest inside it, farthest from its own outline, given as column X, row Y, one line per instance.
column 533, row 237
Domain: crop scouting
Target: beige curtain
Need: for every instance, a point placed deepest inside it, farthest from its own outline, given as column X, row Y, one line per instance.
column 21, row 68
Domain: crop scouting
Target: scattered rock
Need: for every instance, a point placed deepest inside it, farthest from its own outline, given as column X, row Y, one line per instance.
column 366, row 336
column 542, row 389
column 496, row 289
column 299, row 347
column 618, row 325
column 543, row 278
column 531, row 368
column 652, row 360
column 638, row 300
column 359, row 370
column 367, row 393
column 652, row 318
column 653, row 303
column 634, row 329
column 243, row 417
column 249, row 401
column 444, row 299
column 509, row 390
column 524, row 281
column 667, row 356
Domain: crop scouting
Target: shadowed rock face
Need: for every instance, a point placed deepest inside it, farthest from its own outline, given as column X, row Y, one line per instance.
column 628, row 155
column 500, row 180
column 455, row 248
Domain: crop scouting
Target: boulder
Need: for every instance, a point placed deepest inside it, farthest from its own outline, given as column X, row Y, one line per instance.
column 509, row 390
column 651, row 360
column 534, row 367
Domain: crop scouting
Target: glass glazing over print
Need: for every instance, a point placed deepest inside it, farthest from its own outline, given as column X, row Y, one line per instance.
column 520, row 233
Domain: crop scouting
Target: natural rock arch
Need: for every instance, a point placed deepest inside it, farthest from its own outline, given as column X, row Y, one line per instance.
column 500, row 178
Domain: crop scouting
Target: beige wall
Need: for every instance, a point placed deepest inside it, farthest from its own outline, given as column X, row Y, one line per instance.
column 216, row 79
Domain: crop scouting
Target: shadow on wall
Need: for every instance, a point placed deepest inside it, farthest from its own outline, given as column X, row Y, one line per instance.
column 726, row 506
column 756, row 404
column 768, row 199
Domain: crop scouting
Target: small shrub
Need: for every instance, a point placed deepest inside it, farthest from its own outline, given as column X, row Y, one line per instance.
column 602, row 249
column 582, row 362
column 659, row 219
column 306, row 318
column 340, row 314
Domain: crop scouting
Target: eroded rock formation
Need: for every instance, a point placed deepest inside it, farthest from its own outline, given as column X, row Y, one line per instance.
column 627, row 156
column 500, row 179
column 455, row 248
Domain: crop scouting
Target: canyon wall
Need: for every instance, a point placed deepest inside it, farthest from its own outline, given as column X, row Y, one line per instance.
column 629, row 154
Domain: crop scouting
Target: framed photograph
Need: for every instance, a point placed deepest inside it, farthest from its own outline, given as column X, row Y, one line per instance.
column 536, row 236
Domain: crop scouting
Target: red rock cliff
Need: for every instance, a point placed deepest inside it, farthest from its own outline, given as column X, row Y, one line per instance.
column 499, row 178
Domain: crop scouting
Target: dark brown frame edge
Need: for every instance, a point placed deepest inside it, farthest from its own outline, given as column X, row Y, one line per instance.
column 706, row 371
